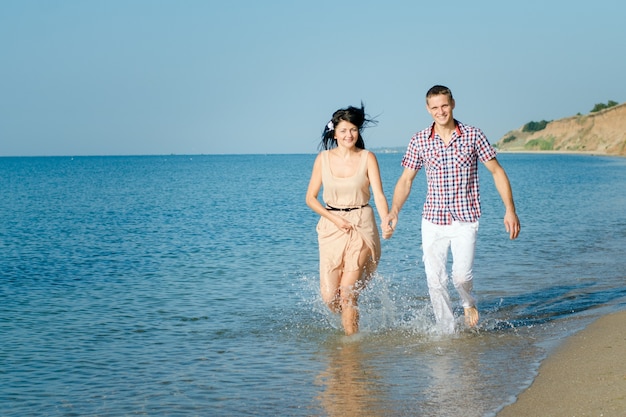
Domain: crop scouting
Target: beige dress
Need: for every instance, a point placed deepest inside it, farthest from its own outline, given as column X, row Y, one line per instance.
column 339, row 251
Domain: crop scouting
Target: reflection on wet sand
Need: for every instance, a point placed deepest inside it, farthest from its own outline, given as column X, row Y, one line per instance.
column 350, row 383
column 395, row 374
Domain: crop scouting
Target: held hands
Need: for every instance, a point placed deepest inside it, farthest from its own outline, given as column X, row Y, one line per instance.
column 388, row 225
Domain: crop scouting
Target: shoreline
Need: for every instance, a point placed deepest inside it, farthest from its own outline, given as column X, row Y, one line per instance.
column 584, row 376
column 560, row 152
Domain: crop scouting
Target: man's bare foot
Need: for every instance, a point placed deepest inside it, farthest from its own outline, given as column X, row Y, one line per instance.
column 471, row 316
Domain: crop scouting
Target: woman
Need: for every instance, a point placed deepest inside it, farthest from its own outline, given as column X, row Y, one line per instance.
column 348, row 238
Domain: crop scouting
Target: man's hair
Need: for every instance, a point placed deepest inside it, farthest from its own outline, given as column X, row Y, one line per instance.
column 438, row 90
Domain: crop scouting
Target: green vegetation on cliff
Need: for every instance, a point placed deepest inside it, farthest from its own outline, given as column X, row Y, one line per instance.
column 535, row 126
column 602, row 106
column 540, row 144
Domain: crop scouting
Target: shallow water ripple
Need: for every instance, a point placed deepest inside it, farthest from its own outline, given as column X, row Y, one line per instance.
column 188, row 285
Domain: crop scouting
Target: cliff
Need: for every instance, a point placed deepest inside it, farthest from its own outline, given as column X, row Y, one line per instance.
column 602, row 132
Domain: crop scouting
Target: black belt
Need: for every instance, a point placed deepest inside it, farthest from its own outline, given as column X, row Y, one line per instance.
column 331, row 208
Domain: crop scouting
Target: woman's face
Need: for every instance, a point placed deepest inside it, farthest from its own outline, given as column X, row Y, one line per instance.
column 346, row 134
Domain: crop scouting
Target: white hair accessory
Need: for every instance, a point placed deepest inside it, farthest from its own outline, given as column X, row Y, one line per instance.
column 330, row 125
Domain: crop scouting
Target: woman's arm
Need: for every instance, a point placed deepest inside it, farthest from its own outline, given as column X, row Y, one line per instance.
column 315, row 184
column 373, row 173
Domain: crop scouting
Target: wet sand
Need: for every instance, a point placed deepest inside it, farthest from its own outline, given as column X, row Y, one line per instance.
column 585, row 376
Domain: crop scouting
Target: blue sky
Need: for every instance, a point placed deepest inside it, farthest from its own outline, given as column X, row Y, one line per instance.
column 129, row 77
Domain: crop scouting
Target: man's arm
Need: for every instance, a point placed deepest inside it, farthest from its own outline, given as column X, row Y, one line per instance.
column 501, row 180
column 400, row 195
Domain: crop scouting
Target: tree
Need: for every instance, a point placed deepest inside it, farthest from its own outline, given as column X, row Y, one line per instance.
column 602, row 106
column 535, row 126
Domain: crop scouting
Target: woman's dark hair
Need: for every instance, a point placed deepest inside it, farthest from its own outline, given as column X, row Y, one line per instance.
column 351, row 114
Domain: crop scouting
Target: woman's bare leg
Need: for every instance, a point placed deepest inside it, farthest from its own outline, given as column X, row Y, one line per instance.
column 349, row 295
column 329, row 289
column 350, row 287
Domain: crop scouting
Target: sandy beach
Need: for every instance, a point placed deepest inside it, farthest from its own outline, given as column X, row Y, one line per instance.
column 585, row 376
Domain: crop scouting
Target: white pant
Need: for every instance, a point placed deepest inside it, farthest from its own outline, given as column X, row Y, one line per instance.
column 460, row 237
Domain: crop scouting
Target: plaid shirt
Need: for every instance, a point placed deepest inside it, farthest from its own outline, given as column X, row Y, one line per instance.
column 451, row 172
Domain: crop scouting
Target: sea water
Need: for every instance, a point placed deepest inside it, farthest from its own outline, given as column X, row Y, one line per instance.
column 188, row 286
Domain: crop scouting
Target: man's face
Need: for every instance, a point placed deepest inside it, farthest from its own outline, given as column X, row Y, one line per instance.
column 440, row 108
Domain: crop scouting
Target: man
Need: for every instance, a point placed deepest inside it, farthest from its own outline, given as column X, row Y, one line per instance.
column 449, row 152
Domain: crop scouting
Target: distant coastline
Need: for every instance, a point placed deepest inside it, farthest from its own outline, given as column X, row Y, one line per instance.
column 394, row 149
